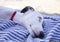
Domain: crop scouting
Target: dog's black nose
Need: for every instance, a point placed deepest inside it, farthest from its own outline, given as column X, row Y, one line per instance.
column 41, row 35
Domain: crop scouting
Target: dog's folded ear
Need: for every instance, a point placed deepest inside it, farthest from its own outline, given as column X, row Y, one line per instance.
column 26, row 9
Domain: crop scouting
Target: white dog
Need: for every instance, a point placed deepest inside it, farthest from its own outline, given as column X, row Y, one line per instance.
column 31, row 19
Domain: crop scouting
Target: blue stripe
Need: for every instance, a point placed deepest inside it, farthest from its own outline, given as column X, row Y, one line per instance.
column 17, row 35
column 21, row 34
column 14, row 37
column 9, row 38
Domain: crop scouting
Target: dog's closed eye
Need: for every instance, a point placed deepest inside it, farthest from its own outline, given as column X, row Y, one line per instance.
column 39, row 18
column 30, row 25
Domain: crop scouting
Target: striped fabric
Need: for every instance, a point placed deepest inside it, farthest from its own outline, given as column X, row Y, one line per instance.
column 52, row 27
column 12, row 32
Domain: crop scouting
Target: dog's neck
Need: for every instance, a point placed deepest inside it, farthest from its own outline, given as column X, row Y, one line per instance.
column 16, row 13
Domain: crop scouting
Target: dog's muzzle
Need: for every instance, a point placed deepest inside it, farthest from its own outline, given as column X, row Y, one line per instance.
column 41, row 35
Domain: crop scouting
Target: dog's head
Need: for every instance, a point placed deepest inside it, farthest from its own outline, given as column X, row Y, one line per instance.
column 32, row 20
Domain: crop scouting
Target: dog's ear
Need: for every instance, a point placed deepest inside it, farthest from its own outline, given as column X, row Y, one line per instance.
column 26, row 9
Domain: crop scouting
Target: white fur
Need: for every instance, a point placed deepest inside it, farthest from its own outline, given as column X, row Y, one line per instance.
column 30, row 18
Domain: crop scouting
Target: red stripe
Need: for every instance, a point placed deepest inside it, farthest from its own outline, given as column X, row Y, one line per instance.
column 14, row 13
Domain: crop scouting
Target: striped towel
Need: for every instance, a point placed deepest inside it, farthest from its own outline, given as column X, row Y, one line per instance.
column 52, row 28
column 12, row 32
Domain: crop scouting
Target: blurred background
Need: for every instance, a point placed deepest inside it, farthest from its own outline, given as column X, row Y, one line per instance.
column 47, row 6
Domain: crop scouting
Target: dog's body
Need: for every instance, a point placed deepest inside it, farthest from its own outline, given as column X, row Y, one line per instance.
column 28, row 17
column 32, row 20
